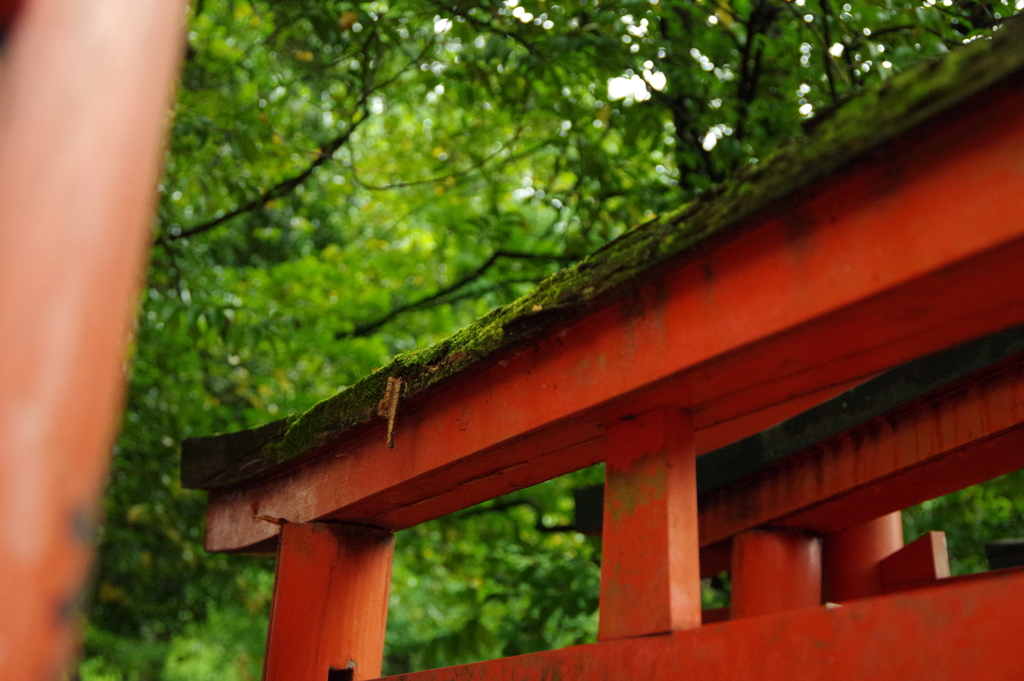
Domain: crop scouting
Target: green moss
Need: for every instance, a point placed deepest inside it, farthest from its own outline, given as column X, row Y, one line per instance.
column 837, row 138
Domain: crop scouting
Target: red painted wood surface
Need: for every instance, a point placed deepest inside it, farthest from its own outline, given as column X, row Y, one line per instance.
column 929, row 449
column 8, row 10
column 85, row 87
column 852, row 558
column 724, row 433
column 714, row 615
column 716, row 558
column 948, row 582
column 911, row 251
column 955, row 632
column 650, row 565
column 330, row 602
column 924, row 560
column 774, row 571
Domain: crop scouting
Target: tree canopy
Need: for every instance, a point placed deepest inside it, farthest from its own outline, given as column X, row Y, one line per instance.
column 346, row 181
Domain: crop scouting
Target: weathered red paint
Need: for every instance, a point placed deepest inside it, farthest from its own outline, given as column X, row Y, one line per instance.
column 724, row 433
column 959, row 631
column 330, row 602
column 854, row 276
column 936, row 446
column 852, row 558
column 650, row 565
column 773, row 571
column 924, row 560
column 85, row 88
column 497, row 472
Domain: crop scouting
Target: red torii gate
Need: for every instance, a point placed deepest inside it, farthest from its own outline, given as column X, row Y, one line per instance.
column 895, row 231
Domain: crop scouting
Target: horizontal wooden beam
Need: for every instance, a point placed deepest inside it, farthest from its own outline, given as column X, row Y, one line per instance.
column 950, row 582
column 912, row 251
column 881, row 395
column 967, row 434
column 883, row 399
column 958, row 631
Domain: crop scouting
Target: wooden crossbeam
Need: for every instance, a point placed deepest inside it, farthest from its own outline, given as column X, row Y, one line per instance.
column 959, row 437
column 959, row 631
column 927, row 385
column 882, row 395
column 929, row 584
column 912, row 251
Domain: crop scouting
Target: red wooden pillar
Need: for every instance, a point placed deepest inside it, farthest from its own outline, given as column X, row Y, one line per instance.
column 773, row 571
column 8, row 8
column 85, row 89
column 330, row 603
column 852, row 558
column 650, row 572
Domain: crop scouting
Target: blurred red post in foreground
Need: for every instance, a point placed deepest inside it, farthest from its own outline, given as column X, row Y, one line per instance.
column 85, row 87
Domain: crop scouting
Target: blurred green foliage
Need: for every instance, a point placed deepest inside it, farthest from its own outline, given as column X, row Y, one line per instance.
column 349, row 180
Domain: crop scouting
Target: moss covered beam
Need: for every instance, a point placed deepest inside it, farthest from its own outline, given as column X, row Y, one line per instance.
column 835, row 144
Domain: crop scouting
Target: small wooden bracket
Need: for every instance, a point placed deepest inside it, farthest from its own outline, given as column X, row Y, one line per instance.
column 917, row 564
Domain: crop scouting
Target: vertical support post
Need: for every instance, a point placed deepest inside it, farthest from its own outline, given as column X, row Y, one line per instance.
column 650, row 572
column 774, row 571
column 85, row 89
column 330, row 603
column 852, row 558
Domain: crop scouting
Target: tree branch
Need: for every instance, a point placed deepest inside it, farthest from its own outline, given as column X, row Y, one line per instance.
column 438, row 296
column 761, row 17
column 487, row 26
column 280, row 189
column 325, row 154
column 826, row 45
column 508, row 505
column 434, row 180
